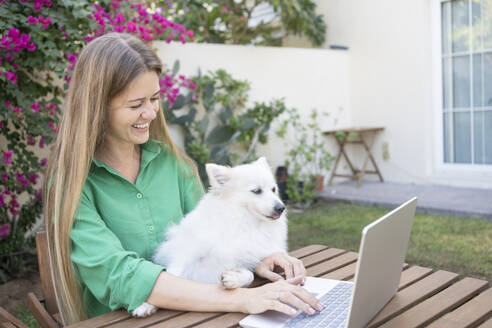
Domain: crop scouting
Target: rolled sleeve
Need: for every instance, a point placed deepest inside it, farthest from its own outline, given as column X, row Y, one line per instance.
column 116, row 277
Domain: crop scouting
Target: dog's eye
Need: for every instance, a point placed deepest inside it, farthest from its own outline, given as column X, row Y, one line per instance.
column 256, row 191
column 273, row 189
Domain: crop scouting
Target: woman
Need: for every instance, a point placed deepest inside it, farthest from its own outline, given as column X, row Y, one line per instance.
column 116, row 182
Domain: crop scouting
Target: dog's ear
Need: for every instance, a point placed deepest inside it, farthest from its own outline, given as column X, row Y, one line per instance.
column 218, row 175
column 263, row 161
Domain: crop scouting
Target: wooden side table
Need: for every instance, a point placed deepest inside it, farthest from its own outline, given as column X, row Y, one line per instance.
column 354, row 136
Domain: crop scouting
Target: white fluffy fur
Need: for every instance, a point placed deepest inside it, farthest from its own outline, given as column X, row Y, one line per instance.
column 229, row 232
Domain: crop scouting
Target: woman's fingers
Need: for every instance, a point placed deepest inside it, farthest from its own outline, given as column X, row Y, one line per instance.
column 308, row 298
column 265, row 272
column 296, row 302
column 281, row 307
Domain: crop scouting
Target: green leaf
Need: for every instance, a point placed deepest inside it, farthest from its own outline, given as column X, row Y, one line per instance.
column 179, row 103
column 203, row 125
column 248, row 124
column 209, row 91
column 220, row 134
column 176, row 67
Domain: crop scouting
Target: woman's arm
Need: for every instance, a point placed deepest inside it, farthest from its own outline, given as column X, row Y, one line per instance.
column 172, row 292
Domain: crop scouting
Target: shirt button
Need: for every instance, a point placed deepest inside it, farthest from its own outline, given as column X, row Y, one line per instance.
column 151, row 228
column 139, row 195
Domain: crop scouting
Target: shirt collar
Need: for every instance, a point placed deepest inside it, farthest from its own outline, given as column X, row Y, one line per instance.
column 149, row 151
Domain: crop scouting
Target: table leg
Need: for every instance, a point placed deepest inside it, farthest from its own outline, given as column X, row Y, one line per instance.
column 366, row 160
column 340, row 151
column 369, row 157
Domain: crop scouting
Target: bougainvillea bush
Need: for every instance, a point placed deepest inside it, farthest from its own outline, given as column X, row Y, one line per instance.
column 39, row 43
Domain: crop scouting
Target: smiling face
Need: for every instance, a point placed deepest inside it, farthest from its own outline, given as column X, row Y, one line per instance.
column 131, row 112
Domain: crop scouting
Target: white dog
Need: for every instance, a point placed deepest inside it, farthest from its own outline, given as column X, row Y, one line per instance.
column 240, row 221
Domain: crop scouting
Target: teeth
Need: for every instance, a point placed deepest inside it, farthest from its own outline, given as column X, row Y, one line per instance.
column 140, row 126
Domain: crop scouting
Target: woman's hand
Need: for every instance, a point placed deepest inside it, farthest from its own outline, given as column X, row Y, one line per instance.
column 284, row 296
column 293, row 267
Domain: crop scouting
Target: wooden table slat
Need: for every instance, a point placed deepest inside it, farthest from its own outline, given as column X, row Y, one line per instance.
column 322, row 256
column 343, row 273
column 189, row 319
column 408, row 297
column 308, row 250
column 333, row 264
column 160, row 315
column 224, row 321
column 486, row 324
column 469, row 314
column 352, row 279
column 103, row 320
column 412, row 275
column 435, row 306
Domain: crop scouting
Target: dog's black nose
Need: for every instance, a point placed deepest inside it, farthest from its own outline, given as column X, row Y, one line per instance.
column 279, row 208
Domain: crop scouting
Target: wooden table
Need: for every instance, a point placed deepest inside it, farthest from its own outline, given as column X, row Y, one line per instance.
column 426, row 298
column 354, row 136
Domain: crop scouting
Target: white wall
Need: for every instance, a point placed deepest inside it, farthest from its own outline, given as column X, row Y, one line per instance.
column 307, row 78
column 394, row 65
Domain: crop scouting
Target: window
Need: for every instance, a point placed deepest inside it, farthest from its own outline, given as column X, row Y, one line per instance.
column 466, row 56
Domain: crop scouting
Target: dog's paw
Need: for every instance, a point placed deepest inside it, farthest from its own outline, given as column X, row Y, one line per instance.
column 236, row 278
column 231, row 279
column 144, row 310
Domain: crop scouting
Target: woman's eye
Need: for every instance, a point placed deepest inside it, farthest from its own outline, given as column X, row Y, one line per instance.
column 256, row 191
column 155, row 99
column 136, row 106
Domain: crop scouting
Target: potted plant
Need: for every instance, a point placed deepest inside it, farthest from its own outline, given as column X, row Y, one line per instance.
column 308, row 160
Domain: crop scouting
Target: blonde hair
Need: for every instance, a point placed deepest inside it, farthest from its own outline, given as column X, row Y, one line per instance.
column 106, row 66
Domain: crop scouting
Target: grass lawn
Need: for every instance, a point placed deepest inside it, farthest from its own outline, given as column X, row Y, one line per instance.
column 461, row 245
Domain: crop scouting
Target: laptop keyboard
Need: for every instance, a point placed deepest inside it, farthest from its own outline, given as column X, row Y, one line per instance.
column 334, row 315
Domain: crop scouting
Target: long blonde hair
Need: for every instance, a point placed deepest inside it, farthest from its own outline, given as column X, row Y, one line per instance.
column 105, row 67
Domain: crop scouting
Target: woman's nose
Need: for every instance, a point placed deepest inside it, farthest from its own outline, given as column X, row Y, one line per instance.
column 150, row 110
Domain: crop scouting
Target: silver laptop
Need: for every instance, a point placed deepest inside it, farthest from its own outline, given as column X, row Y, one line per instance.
column 352, row 305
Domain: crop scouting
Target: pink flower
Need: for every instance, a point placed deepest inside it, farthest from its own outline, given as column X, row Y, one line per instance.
column 6, row 156
column 41, row 142
column 4, row 230
column 120, row 18
column 31, row 141
column 53, row 127
column 14, row 205
column 12, row 77
column 17, row 110
column 131, row 27
column 115, row 4
column 45, row 22
column 189, row 33
column 71, row 57
column 5, row 176
column 8, row 104
column 119, row 29
column 32, row 20
column 20, row 178
column 33, row 178
column 39, row 195
column 43, row 162
column 224, row 9
column 13, row 33
column 36, row 108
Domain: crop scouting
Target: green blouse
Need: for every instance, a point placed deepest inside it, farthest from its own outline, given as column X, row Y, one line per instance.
column 118, row 225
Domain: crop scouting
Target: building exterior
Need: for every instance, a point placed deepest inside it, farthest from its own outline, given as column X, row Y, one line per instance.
column 420, row 68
